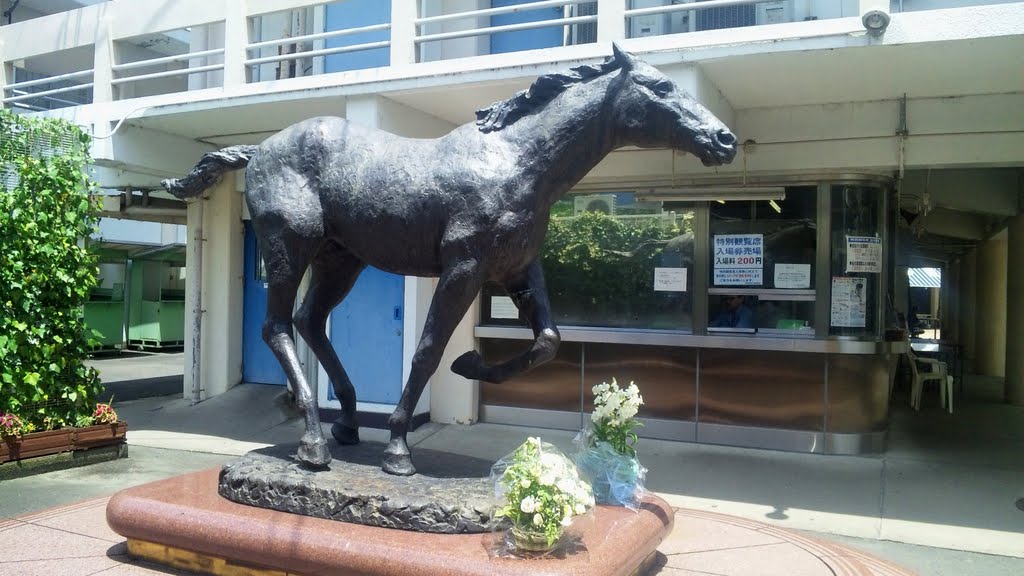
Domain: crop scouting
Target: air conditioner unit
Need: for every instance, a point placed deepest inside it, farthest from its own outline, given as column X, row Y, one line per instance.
column 602, row 203
column 585, row 33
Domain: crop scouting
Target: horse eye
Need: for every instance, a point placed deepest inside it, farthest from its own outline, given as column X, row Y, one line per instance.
column 663, row 89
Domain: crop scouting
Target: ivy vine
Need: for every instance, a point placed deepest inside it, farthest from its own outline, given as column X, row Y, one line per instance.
column 47, row 271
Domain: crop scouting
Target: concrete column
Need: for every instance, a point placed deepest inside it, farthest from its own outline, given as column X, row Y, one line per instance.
column 221, row 350
column 103, row 59
column 403, row 32
column 968, row 306
column 950, row 304
column 236, row 37
column 1015, row 312
column 991, row 312
column 611, row 22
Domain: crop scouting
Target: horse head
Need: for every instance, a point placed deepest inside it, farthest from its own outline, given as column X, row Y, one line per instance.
column 650, row 111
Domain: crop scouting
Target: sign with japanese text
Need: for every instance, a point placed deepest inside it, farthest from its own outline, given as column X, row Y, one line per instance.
column 864, row 254
column 849, row 302
column 738, row 259
column 670, row 279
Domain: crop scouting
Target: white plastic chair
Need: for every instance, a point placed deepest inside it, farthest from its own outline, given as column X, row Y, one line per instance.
column 936, row 372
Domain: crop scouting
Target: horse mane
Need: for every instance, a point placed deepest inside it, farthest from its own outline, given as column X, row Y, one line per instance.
column 506, row 112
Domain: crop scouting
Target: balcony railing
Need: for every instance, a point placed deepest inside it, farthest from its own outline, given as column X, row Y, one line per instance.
column 220, row 43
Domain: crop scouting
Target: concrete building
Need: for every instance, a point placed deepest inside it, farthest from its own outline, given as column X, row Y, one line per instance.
column 891, row 129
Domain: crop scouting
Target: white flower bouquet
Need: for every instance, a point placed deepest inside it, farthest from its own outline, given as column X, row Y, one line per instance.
column 539, row 491
column 607, row 450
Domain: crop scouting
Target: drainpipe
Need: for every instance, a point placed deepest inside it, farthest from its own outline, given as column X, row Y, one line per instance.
column 195, row 286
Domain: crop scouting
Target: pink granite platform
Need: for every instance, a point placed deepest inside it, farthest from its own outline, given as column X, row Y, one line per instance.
column 186, row 513
column 75, row 540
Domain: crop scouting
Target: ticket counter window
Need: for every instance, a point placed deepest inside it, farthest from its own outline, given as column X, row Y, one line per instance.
column 613, row 261
column 857, row 260
column 761, row 265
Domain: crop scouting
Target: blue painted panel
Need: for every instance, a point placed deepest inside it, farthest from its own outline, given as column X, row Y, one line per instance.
column 525, row 39
column 258, row 363
column 356, row 14
column 366, row 332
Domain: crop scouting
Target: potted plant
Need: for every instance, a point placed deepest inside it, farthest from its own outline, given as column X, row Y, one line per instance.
column 607, row 454
column 19, row 439
column 539, row 492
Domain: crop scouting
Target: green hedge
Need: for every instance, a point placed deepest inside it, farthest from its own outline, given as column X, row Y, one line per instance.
column 46, row 272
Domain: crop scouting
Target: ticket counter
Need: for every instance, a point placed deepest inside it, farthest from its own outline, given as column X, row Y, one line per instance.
column 754, row 319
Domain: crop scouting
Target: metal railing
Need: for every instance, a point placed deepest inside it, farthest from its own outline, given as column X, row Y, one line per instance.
column 319, row 52
column 410, row 34
column 422, row 37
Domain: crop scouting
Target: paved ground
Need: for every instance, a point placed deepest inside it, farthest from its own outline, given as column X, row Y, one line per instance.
column 946, row 483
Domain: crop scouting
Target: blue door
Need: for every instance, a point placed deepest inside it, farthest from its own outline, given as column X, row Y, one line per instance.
column 258, row 363
column 366, row 332
column 356, row 14
column 525, row 39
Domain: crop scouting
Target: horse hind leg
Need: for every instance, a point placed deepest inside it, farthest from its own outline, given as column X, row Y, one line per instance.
column 333, row 273
column 286, row 262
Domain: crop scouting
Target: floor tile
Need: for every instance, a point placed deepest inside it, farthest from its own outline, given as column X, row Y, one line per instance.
column 32, row 542
column 766, row 560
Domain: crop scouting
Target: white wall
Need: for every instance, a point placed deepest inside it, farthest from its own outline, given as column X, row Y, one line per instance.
column 456, row 47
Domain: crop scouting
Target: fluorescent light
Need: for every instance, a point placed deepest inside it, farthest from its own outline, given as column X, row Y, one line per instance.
column 712, row 194
column 775, row 206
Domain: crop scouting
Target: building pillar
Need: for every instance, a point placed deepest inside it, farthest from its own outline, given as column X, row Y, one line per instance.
column 968, row 306
column 991, row 307
column 221, row 277
column 1015, row 312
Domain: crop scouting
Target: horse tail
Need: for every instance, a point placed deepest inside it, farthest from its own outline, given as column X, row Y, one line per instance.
column 208, row 171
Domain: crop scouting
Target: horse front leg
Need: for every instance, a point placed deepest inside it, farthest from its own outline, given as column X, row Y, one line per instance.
column 456, row 290
column 530, row 295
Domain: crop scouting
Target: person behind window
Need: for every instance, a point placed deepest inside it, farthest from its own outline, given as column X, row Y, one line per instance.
column 735, row 313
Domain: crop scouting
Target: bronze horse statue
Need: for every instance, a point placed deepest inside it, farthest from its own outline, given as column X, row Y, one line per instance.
column 469, row 208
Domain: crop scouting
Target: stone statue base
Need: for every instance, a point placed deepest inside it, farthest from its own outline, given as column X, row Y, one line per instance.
column 450, row 494
column 182, row 522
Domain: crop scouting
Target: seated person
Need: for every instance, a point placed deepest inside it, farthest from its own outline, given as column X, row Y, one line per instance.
column 735, row 313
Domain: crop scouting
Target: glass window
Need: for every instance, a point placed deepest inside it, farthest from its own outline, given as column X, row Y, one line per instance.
column 612, row 260
column 762, row 263
column 856, row 260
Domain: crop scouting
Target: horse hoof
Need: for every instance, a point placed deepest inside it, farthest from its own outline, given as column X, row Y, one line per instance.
column 345, row 435
column 398, row 464
column 469, row 365
column 314, row 455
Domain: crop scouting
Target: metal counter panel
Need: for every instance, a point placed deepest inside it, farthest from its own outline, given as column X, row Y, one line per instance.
column 555, row 385
column 858, row 393
column 666, row 376
column 762, row 389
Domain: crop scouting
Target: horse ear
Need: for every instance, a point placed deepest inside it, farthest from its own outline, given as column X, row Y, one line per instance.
column 620, row 55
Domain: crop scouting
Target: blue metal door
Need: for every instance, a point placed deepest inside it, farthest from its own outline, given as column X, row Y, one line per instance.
column 366, row 332
column 258, row 363
column 525, row 39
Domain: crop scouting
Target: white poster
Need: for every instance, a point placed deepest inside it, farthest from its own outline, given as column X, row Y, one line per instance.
column 864, row 254
column 670, row 279
column 739, row 259
column 849, row 302
column 502, row 307
column 792, row 275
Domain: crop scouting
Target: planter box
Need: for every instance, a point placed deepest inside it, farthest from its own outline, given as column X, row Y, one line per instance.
column 63, row 440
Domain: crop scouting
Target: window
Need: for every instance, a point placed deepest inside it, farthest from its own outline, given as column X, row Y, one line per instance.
column 613, row 261
column 761, row 264
column 856, row 260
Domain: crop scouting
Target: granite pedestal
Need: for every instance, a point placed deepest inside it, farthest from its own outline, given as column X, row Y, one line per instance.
column 183, row 522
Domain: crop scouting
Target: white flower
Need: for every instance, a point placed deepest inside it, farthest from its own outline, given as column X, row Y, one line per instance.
column 566, row 485
column 528, row 505
column 580, row 508
column 538, row 519
column 525, row 482
column 566, row 515
column 547, row 478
